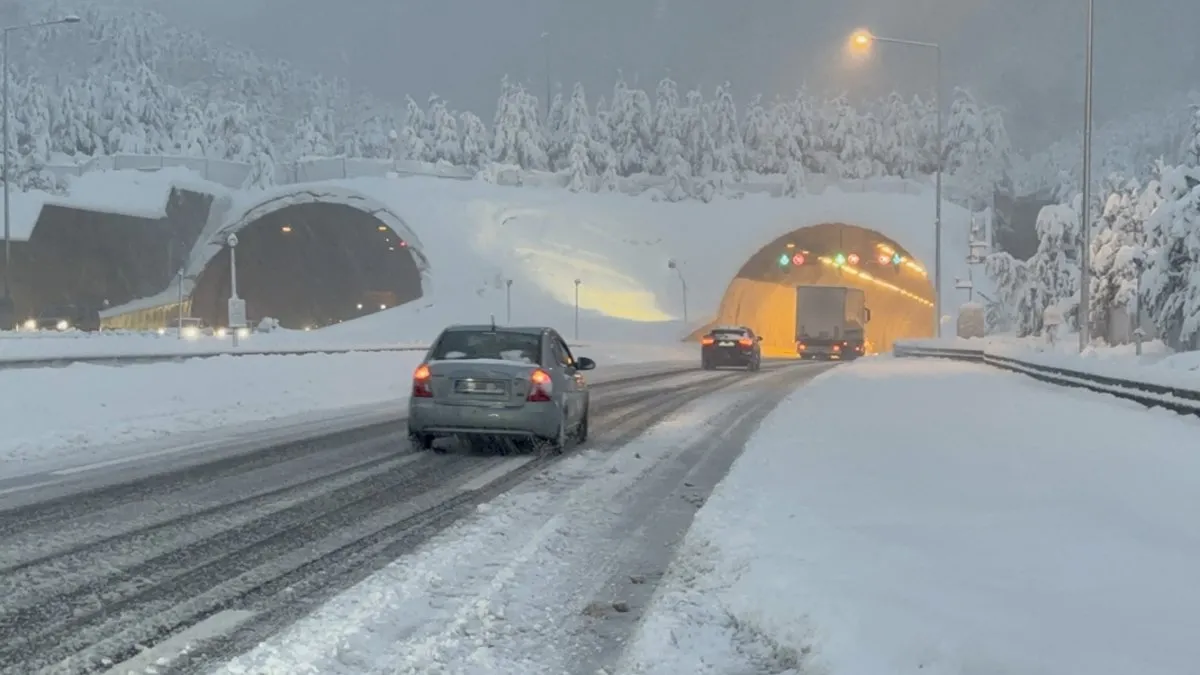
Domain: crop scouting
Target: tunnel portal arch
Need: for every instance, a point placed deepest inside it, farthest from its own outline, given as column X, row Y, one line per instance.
column 311, row 256
column 762, row 293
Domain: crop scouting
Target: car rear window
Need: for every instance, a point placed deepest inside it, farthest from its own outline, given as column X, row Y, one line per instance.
column 503, row 345
column 728, row 335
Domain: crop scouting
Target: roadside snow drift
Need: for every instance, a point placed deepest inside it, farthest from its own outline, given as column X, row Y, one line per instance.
column 928, row 517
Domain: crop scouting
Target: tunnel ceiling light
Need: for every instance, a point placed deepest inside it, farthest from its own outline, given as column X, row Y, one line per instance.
column 791, row 246
column 383, row 228
column 286, row 228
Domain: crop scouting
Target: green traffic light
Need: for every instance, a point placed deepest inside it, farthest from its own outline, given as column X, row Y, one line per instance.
column 784, row 260
column 839, row 260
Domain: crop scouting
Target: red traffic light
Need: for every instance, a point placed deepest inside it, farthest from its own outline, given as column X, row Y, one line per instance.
column 852, row 258
column 798, row 259
column 884, row 259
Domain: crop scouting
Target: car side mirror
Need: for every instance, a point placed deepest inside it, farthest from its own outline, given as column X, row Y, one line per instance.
column 866, row 315
column 759, row 338
column 584, row 363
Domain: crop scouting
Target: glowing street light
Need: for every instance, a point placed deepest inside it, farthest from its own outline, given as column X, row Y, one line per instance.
column 861, row 41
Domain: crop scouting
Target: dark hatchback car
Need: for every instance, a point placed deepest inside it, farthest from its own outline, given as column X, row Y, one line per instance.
column 732, row 347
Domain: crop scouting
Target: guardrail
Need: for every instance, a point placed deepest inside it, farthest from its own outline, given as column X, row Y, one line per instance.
column 60, row 361
column 1178, row 399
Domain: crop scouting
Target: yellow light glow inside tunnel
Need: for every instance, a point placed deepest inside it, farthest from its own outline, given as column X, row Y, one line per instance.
column 763, row 296
column 603, row 290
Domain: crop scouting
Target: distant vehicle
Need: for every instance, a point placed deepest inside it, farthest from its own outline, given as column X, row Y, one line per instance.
column 487, row 382
column 831, row 322
column 64, row 317
column 188, row 327
column 731, row 346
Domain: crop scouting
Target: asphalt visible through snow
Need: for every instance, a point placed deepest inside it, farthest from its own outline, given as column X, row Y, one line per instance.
column 94, row 579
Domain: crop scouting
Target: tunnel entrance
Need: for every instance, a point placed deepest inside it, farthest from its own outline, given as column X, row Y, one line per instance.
column 762, row 295
column 311, row 265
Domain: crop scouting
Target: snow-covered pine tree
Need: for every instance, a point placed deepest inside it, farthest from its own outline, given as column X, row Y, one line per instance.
column 758, row 139
column 1011, row 277
column 412, row 137
column 668, row 127
column 476, row 144
column 1054, row 269
column 698, row 148
column 579, row 165
column 1170, row 291
column 729, row 155
column 794, row 180
column 444, row 144
column 558, row 142
column 1190, row 152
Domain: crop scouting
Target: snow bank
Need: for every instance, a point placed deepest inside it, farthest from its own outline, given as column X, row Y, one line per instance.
column 1157, row 364
column 981, row 523
column 84, row 413
column 135, row 193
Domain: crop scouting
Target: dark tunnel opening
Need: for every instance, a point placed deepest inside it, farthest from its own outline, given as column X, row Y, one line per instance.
column 311, row 265
column 91, row 259
column 897, row 288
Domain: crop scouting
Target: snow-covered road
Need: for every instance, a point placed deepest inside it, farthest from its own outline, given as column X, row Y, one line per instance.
column 549, row 579
column 66, row 418
column 911, row 516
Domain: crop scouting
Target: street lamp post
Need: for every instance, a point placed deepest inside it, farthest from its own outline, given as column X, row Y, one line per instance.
column 237, row 306
column 508, row 301
column 1085, row 253
column 863, row 40
column 6, row 305
column 577, row 282
column 546, row 57
column 671, row 264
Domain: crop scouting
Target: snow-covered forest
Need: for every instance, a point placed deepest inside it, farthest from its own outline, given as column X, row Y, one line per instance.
column 122, row 83
column 1145, row 256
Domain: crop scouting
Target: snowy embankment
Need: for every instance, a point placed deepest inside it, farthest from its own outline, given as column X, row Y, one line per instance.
column 82, row 413
column 1156, row 365
column 981, row 522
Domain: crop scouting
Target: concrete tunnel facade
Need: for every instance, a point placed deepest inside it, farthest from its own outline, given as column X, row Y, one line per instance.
column 307, row 255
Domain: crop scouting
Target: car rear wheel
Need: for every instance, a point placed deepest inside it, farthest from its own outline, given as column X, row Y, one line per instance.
column 420, row 441
column 581, row 430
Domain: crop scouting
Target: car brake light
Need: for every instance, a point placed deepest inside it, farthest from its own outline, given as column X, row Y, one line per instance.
column 837, row 348
column 541, row 386
column 801, row 346
column 706, row 340
column 746, row 342
column 421, row 381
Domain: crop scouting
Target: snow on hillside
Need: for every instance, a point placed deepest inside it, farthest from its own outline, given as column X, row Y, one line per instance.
column 477, row 235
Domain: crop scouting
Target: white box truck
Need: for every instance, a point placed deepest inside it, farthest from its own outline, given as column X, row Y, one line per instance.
column 831, row 322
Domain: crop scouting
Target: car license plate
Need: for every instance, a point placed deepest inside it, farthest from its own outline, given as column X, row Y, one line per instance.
column 724, row 344
column 489, row 387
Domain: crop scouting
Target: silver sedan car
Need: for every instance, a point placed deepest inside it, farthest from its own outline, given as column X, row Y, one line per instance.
column 487, row 382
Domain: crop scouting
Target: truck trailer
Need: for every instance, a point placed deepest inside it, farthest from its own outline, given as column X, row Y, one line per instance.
column 831, row 322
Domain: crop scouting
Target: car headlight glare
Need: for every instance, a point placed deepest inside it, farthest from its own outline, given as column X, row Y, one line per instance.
column 30, row 324
column 62, row 325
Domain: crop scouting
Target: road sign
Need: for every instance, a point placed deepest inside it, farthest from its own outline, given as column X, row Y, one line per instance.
column 237, row 313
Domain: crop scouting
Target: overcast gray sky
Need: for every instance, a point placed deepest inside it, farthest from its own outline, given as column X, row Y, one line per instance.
column 1026, row 55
